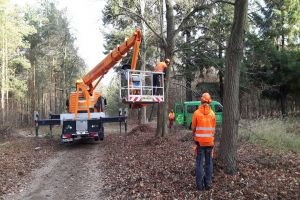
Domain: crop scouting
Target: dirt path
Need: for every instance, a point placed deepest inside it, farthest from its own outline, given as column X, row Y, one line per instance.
column 75, row 173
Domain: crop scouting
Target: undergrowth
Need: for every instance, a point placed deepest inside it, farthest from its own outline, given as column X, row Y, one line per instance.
column 276, row 133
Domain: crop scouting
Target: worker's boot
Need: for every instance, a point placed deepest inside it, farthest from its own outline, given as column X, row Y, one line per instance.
column 201, row 187
column 207, row 187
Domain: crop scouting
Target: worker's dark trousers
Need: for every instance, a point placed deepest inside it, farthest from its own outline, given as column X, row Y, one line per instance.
column 204, row 173
column 156, row 83
column 171, row 121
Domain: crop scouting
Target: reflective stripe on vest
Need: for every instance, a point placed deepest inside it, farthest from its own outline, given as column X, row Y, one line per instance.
column 204, row 129
column 204, row 135
column 85, row 107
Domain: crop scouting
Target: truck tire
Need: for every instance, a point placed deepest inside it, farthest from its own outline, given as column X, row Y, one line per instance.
column 101, row 133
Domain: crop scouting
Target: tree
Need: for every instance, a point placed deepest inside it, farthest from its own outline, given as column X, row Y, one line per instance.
column 124, row 25
column 53, row 58
column 278, row 23
column 168, row 36
column 234, row 55
column 13, row 64
column 206, row 35
column 112, row 96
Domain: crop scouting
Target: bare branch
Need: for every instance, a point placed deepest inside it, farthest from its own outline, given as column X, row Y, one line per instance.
column 144, row 20
column 189, row 48
column 197, row 9
column 226, row 2
column 204, row 38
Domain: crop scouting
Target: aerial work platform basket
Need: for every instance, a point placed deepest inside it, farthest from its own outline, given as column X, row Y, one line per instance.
column 142, row 87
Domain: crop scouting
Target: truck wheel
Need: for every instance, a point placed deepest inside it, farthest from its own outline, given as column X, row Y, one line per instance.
column 101, row 134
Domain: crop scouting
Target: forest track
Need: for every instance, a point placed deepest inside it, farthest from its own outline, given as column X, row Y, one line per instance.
column 75, row 173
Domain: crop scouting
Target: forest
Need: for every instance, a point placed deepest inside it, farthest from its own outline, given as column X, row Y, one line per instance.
column 244, row 53
column 39, row 62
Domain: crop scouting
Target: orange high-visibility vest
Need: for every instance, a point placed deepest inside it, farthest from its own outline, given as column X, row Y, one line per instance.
column 171, row 115
column 204, row 125
column 160, row 67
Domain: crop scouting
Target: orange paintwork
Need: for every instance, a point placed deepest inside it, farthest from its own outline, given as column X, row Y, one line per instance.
column 114, row 57
column 84, row 99
column 81, row 100
column 81, row 104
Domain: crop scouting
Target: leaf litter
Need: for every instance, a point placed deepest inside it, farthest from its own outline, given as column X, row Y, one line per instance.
column 140, row 166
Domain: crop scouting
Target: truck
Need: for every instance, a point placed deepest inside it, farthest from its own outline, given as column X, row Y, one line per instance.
column 86, row 107
column 184, row 112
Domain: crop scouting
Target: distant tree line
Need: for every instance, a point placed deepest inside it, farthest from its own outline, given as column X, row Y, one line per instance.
column 39, row 62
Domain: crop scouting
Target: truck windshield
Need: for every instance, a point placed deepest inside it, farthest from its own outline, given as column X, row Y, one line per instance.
column 218, row 108
column 191, row 108
column 179, row 109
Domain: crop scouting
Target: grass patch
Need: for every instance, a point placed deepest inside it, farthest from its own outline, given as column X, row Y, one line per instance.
column 275, row 133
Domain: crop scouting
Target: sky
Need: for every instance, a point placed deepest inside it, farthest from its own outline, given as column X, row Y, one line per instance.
column 86, row 24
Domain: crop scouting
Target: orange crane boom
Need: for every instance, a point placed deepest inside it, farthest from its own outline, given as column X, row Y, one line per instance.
column 84, row 99
column 114, row 57
column 86, row 107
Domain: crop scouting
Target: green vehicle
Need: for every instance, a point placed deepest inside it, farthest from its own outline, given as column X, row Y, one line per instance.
column 184, row 112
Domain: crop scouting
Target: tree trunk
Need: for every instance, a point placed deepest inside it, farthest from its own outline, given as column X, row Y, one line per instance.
column 234, row 54
column 50, row 92
column 3, row 77
column 283, row 100
column 143, row 110
column 64, row 83
column 6, row 80
column 161, row 20
column 282, row 89
column 159, row 105
column 189, row 93
column 32, row 89
column 221, row 85
column 169, row 54
column 4, row 70
column 158, row 125
column 188, row 73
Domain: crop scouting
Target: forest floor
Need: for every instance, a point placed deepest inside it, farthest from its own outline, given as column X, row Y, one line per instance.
column 138, row 166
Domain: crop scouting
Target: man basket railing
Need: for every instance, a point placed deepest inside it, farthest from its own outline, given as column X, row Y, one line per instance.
column 144, row 87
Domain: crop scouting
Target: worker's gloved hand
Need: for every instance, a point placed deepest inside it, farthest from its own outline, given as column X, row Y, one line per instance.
column 195, row 147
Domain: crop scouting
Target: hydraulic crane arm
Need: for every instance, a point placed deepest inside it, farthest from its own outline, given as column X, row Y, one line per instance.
column 114, row 57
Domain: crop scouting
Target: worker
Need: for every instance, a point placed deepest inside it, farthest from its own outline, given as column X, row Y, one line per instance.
column 136, row 84
column 171, row 118
column 125, row 70
column 157, row 78
column 203, row 127
column 98, row 105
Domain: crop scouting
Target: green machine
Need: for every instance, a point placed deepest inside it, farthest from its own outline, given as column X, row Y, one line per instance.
column 179, row 114
column 184, row 112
